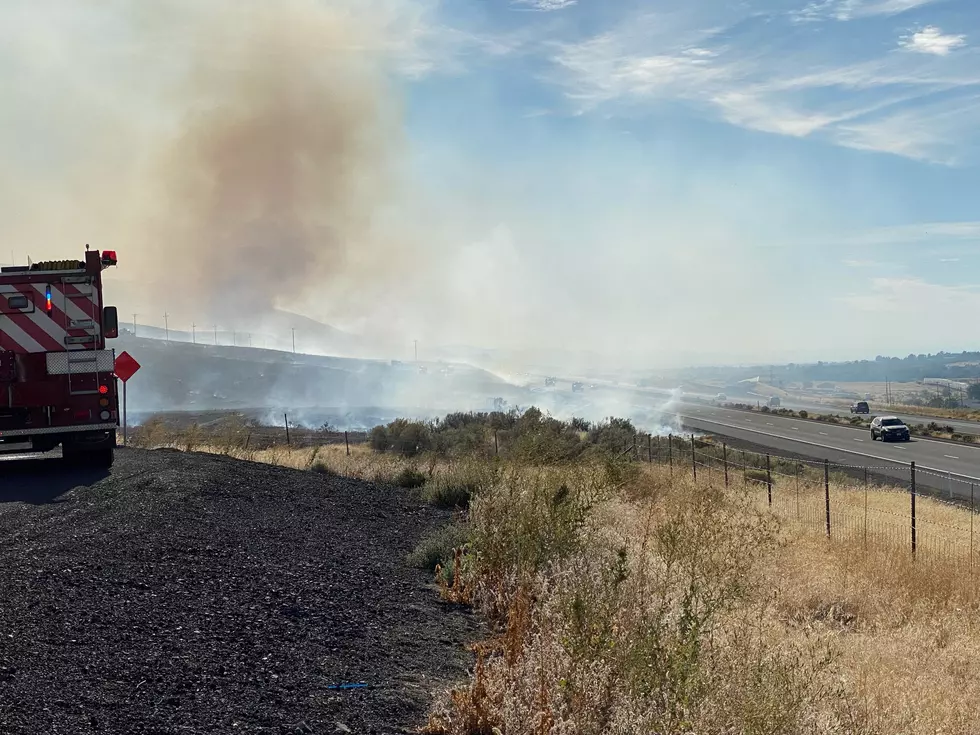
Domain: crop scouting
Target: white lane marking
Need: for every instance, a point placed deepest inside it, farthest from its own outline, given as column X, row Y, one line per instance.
column 768, row 424
column 823, row 433
column 795, row 428
column 858, row 440
column 749, row 420
column 950, row 456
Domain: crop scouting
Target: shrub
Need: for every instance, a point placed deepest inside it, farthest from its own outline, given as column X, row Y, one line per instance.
column 438, row 547
column 804, row 415
column 379, row 438
column 320, row 467
column 457, row 486
column 409, row 438
column 409, row 477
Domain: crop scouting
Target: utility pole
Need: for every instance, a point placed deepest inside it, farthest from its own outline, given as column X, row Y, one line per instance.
column 134, row 325
column 249, row 339
column 294, row 340
column 166, row 325
column 193, row 333
column 416, row 350
column 234, row 338
column 216, row 334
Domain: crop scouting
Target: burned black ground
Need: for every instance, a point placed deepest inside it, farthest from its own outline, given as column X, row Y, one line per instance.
column 189, row 593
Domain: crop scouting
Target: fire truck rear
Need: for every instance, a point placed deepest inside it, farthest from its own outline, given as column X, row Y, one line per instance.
column 56, row 376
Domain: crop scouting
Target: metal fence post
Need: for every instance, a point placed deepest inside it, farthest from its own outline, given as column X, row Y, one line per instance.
column 724, row 455
column 285, row 418
column 745, row 471
column 799, row 467
column 670, row 452
column 826, row 491
column 865, row 508
column 769, row 480
column 972, row 512
column 694, row 459
column 496, row 446
column 347, row 443
column 649, row 448
column 912, row 490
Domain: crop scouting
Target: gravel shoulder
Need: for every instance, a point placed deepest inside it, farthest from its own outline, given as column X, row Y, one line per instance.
column 191, row 593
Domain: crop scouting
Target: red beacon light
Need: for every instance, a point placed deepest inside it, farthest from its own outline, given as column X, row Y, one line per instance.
column 108, row 258
column 103, row 389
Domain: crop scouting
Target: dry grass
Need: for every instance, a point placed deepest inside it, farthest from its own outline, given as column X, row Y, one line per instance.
column 795, row 632
column 625, row 600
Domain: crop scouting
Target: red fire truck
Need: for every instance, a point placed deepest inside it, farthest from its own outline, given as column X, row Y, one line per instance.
column 56, row 376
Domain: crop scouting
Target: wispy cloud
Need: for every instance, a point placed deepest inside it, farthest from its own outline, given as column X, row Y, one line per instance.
column 931, row 40
column 545, row 5
column 743, row 73
column 844, row 10
column 911, row 234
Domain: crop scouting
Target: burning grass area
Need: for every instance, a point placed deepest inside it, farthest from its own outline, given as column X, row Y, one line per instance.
column 629, row 597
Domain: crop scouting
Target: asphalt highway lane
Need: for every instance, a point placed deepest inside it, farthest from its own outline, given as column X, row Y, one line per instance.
column 944, row 466
column 963, row 427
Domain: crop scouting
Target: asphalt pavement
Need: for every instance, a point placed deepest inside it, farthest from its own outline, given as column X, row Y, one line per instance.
column 951, row 468
column 960, row 425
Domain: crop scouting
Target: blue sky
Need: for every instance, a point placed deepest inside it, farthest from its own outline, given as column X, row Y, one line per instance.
column 669, row 181
column 824, row 154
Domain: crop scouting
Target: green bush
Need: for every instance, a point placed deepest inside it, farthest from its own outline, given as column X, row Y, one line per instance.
column 438, row 547
column 321, row 468
column 379, row 438
column 409, row 477
column 804, row 415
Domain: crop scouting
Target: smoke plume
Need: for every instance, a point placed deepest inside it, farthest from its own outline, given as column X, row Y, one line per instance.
column 280, row 164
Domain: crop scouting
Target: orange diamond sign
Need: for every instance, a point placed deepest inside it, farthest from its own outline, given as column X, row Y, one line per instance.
column 126, row 366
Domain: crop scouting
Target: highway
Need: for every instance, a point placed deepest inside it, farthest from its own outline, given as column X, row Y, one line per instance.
column 964, row 427
column 943, row 466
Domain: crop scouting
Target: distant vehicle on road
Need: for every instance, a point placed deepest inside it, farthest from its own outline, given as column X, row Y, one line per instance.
column 889, row 428
column 774, row 402
column 860, row 407
column 578, row 387
column 549, row 381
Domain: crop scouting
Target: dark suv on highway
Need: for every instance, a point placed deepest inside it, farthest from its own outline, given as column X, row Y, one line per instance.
column 860, row 407
column 889, row 429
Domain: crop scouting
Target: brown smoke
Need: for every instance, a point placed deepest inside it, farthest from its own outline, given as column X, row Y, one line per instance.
column 281, row 162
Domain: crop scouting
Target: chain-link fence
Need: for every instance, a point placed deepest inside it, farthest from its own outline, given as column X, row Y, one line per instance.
column 928, row 513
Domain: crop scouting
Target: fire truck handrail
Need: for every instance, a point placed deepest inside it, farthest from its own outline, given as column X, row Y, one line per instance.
column 20, row 275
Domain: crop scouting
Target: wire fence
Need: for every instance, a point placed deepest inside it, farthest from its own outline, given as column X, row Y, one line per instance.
column 862, row 504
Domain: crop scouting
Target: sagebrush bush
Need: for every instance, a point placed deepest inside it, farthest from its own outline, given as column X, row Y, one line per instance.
column 437, row 548
column 410, row 478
